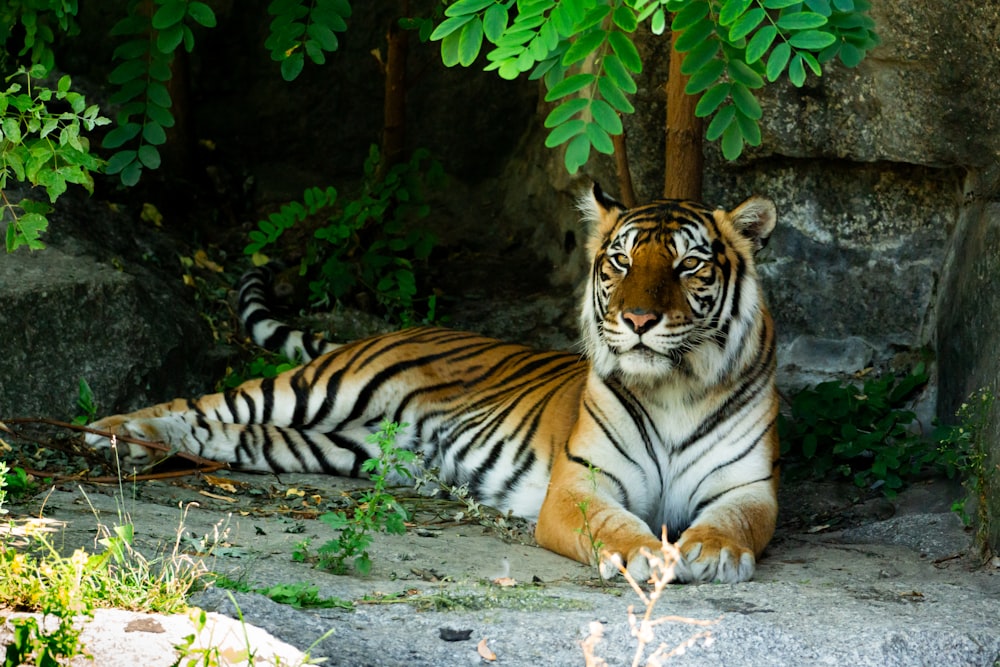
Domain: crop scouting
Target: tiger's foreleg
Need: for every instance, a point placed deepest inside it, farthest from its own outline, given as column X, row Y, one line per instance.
column 583, row 521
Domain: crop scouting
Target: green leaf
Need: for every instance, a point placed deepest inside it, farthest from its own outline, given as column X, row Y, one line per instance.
column 120, row 135
column 750, row 129
column 699, row 56
column 149, row 156
column 732, row 142
column 614, row 96
column 624, row 18
column 720, row 122
column 570, row 85
column 732, row 10
column 583, row 47
column 469, row 43
column 694, row 35
column 577, row 153
column 606, row 117
column 565, row 111
column 801, row 21
column 202, row 14
column 625, row 49
column 154, row 134
column 658, row 24
column 449, row 26
column 797, row 71
column 158, row 94
column 760, row 43
column 850, row 55
column 119, row 161
column 705, row 77
column 778, row 60
column 712, row 99
column 324, row 36
column 742, row 73
column 616, row 72
column 780, row 4
column 449, row 49
column 745, row 102
column 169, row 14
column 691, row 14
column 127, row 71
column 565, row 132
column 11, row 130
column 747, row 24
column 292, row 66
column 812, row 40
column 464, row 7
column 495, row 22
column 170, row 38
column 600, row 139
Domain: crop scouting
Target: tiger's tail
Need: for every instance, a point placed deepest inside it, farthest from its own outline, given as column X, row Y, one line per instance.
column 269, row 332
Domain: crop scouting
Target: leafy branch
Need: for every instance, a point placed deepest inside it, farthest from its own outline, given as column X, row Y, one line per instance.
column 156, row 29
column 41, row 143
column 304, row 27
column 584, row 52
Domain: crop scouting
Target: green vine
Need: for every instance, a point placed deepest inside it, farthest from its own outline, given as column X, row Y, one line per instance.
column 36, row 21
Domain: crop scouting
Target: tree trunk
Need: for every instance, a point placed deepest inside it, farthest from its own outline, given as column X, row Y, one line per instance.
column 394, row 109
column 683, row 159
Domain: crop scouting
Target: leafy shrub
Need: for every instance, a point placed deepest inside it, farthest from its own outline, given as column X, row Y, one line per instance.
column 866, row 433
column 366, row 243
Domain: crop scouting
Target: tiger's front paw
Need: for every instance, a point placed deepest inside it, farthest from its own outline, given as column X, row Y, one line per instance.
column 141, row 429
column 639, row 561
column 708, row 555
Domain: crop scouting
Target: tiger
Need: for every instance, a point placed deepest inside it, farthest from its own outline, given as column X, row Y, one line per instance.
column 664, row 423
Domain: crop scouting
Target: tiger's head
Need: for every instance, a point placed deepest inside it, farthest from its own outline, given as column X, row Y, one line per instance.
column 673, row 294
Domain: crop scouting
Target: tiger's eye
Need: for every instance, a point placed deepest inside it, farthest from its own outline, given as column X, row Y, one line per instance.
column 690, row 263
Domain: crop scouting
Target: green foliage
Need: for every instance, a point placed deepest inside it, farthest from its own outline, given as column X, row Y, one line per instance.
column 264, row 365
column 584, row 51
column 732, row 47
column 377, row 509
column 301, row 595
column 141, row 78
column 861, row 432
column 964, row 450
column 41, row 143
column 35, row 22
column 304, row 28
column 14, row 481
column 86, row 403
column 367, row 242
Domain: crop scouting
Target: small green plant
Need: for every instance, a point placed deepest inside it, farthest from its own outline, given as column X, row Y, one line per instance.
column 298, row 31
column 583, row 505
column 41, row 142
column 866, row 433
column 16, row 481
column 86, row 404
column 964, row 451
column 264, row 365
column 367, row 243
column 377, row 509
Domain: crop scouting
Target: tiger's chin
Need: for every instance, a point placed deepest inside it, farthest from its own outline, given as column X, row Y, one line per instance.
column 642, row 367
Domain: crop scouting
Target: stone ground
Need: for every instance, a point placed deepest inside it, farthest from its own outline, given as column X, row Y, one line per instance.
column 843, row 583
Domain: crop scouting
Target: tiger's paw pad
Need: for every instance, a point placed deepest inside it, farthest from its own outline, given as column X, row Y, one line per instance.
column 715, row 560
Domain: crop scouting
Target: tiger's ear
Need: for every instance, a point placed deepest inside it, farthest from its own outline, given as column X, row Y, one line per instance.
column 755, row 219
column 600, row 211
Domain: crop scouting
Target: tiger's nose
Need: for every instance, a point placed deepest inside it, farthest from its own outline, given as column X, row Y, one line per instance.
column 641, row 321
